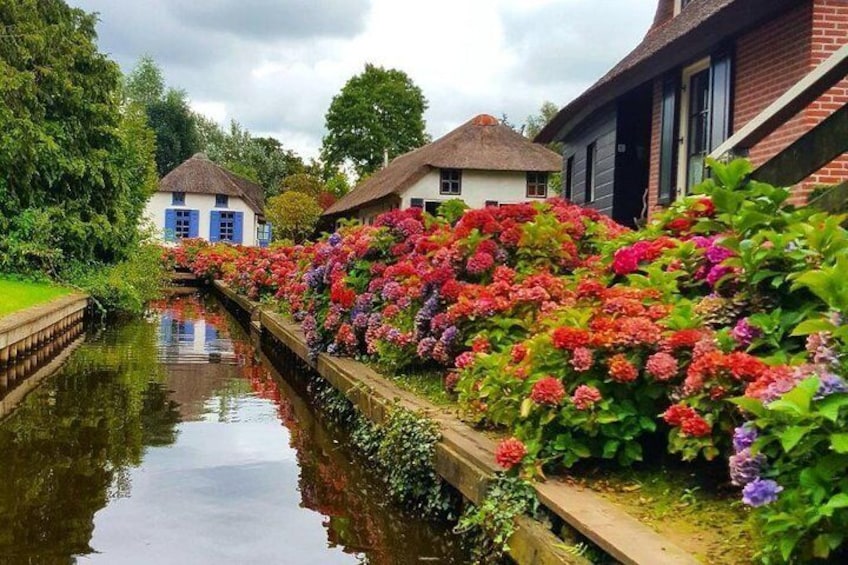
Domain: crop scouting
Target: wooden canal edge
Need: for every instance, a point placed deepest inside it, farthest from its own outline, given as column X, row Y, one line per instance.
column 28, row 330
column 465, row 459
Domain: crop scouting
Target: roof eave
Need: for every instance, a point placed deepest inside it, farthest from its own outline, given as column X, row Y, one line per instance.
column 718, row 28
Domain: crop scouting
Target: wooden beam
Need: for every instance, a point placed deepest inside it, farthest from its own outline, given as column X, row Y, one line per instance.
column 811, row 152
column 806, row 91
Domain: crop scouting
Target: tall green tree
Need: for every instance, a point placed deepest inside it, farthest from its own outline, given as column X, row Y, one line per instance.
column 377, row 110
column 168, row 114
column 73, row 173
column 293, row 215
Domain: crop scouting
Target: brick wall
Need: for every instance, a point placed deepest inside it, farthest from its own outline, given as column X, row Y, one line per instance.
column 769, row 60
column 829, row 33
column 654, row 158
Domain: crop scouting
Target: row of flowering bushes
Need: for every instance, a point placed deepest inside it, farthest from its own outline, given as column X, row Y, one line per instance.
column 719, row 324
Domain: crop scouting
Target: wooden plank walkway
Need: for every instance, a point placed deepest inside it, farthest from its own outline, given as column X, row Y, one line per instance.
column 466, row 458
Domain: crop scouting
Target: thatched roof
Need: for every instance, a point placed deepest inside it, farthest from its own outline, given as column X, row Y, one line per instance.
column 482, row 143
column 201, row 176
column 702, row 26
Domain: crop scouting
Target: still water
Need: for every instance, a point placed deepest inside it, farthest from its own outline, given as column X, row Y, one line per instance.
column 164, row 440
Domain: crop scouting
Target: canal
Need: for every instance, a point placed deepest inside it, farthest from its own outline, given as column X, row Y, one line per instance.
column 169, row 439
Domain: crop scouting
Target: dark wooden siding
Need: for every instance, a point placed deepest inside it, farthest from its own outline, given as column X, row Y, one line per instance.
column 599, row 130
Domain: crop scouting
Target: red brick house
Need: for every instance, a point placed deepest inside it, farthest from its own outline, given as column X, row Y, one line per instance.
column 637, row 138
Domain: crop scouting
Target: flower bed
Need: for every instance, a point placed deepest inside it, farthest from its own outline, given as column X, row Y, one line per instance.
column 718, row 326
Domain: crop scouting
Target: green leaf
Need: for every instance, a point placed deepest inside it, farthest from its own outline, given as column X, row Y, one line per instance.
column 526, row 407
column 808, row 327
column 610, row 448
column 751, row 405
column 830, row 407
column 798, row 399
column 790, row 437
column 836, row 502
column 839, row 442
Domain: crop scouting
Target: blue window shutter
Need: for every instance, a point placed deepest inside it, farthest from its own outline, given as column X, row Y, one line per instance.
column 238, row 226
column 194, row 223
column 165, row 330
column 215, row 226
column 170, row 224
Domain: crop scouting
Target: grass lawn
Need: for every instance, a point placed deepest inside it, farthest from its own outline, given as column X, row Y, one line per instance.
column 17, row 295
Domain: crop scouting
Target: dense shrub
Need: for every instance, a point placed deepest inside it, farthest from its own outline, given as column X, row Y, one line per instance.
column 582, row 339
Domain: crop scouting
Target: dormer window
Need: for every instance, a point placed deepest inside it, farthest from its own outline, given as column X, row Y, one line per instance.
column 450, row 182
column 178, row 199
column 221, row 200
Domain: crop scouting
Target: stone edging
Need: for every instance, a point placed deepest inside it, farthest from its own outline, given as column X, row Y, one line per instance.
column 31, row 328
column 465, row 459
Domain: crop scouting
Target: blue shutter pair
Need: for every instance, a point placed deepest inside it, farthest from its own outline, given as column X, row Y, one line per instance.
column 215, row 226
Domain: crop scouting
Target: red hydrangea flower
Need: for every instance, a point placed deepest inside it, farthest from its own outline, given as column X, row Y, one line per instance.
column 451, row 380
column 676, row 414
column 479, row 263
column 621, row 369
column 625, row 261
column 510, row 452
column 570, row 338
column 518, row 353
column 480, row 344
column 695, row 426
column 548, row 390
column 585, row 397
column 662, row 366
column 465, row 359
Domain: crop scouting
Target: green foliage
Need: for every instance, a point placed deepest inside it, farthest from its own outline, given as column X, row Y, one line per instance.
column 176, row 133
column 145, row 84
column 260, row 159
column 537, row 122
column 406, row 452
column 304, row 183
column 804, row 440
column 127, row 286
column 76, row 168
column 293, row 215
column 493, row 522
column 452, row 210
column 378, row 110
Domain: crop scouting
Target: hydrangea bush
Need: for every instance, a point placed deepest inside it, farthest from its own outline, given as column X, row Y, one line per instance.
column 719, row 324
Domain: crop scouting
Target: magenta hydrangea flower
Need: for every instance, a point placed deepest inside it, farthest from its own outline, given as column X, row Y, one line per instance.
column 744, row 333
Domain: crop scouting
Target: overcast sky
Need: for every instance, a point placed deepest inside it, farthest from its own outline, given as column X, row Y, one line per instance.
column 274, row 65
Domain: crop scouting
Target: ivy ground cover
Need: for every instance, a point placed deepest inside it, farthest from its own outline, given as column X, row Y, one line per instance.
column 717, row 332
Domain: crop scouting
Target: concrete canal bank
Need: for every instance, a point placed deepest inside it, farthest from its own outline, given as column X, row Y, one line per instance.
column 465, row 459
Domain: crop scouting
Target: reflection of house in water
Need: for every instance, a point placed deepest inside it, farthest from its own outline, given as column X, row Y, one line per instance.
column 201, row 366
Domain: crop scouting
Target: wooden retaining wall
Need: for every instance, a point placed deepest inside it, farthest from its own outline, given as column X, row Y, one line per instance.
column 465, row 459
column 30, row 329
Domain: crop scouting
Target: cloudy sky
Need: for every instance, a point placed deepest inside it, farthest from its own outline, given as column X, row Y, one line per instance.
column 274, row 65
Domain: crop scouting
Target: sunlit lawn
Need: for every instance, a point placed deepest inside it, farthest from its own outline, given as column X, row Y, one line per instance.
column 17, row 295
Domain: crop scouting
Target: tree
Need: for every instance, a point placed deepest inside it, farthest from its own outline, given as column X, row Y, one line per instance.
column 378, row 110
column 536, row 122
column 293, row 215
column 303, row 182
column 145, row 83
column 168, row 113
column 261, row 159
column 74, row 165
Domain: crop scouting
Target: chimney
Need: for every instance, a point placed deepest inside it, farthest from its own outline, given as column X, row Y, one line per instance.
column 385, row 158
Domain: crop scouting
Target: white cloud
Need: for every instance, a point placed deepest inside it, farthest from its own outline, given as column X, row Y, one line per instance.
column 274, row 65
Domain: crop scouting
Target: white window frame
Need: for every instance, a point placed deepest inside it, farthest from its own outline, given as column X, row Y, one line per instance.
column 683, row 124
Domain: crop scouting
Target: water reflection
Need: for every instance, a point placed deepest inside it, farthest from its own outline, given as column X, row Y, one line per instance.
column 165, row 441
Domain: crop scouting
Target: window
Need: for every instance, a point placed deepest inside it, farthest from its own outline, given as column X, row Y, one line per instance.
column 182, row 225
column 178, row 199
column 451, row 182
column 228, row 226
column 491, row 204
column 432, row 206
column 263, row 234
column 591, row 155
column 221, row 200
column 704, row 116
column 569, row 178
column 668, row 139
column 537, row 185
column 416, row 203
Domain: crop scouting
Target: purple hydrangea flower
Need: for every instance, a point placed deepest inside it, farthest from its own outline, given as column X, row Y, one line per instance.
column 449, row 335
column 744, row 437
column 425, row 347
column 335, row 239
column 745, row 467
column 760, row 492
column 314, row 277
column 821, row 350
column 830, row 384
column 744, row 333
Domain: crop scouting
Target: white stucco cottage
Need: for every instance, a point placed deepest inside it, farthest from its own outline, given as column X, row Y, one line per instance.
column 202, row 199
column 482, row 162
